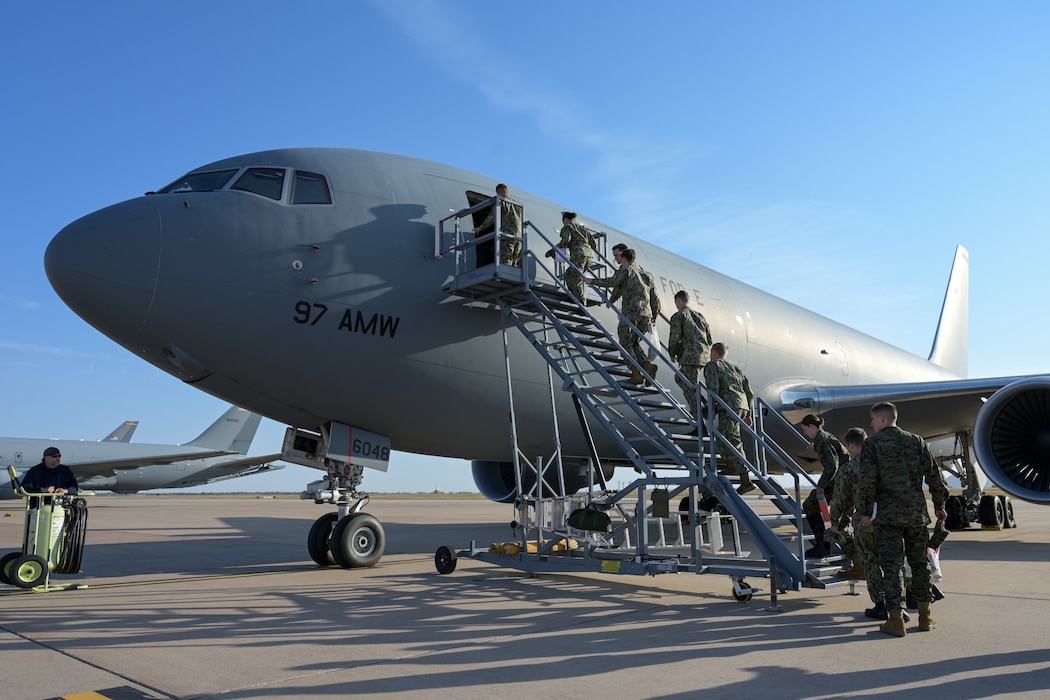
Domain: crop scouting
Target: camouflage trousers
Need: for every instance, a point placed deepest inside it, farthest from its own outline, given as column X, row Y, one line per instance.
column 509, row 250
column 895, row 543
column 864, row 540
column 692, row 376
column 573, row 279
column 730, row 430
column 630, row 341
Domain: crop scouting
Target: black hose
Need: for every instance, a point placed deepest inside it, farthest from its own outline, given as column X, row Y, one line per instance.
column 73, row 536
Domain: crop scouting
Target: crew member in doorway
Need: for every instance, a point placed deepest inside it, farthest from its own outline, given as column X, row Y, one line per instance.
column 509, row 224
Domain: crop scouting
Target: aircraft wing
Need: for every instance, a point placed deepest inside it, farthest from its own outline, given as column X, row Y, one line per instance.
column 107, row 467
column 931, row 409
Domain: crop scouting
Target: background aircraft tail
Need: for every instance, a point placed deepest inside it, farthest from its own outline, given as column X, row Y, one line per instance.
column 951, row 344
column 233, row 431
column 123, row 433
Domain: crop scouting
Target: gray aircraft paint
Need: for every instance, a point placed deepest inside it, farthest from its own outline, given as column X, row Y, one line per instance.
column 337, row 313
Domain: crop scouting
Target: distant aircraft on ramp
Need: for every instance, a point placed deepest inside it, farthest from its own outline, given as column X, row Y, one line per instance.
column 115, row 464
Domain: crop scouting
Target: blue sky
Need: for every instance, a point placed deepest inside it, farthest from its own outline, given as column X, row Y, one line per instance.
column 830, row 153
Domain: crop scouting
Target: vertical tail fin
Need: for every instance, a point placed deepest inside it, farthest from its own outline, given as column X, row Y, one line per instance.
column 123, row 433
column 234, row 431
column 951, row 344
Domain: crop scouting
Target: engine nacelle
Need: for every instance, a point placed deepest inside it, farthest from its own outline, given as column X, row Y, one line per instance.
column 1011, row 439
column 495, row 480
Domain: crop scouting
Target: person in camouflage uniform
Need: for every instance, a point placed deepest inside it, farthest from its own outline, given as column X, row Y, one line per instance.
column 689, row 344
column 893, row 464
column 831, row 454
column 580, row 244
column 509, row 223
column 611, row 280
column 844, row 512
column 725, row 379
column 640, row 306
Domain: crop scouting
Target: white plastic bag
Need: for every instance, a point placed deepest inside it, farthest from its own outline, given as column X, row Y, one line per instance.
column 654, row 349
column 934, row 555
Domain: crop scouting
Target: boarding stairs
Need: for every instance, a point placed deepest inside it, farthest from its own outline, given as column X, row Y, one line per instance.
column 671, row 453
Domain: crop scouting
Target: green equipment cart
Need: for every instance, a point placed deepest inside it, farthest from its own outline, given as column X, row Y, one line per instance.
column 52, row 540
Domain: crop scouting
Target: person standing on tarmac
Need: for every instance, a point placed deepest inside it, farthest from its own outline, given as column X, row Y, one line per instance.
column 640, row 306
column 831, row 454
column 893, row 465
column 728, row 382
column 865, row 556
column 689, row 344
column 581, row 245
column 50, row 476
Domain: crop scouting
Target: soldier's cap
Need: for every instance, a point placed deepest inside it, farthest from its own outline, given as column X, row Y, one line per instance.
column 568, row 215
column 52, row 452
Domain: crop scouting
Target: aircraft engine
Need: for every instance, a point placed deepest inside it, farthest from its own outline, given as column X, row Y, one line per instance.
column 495, row 480
column 1011, row 439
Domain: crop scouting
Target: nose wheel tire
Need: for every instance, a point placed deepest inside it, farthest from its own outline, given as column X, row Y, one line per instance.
column 358, row 541
column 317, row 542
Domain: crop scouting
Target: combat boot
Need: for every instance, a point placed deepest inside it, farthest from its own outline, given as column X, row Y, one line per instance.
column 878, row 612
column 819, row 550
column 746, row 484
column 636, row 376
column 856, row 572
column 650, row 368
column 894, row 625
column 926, row 621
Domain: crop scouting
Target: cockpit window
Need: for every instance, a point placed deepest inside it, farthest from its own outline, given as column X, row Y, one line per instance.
column 268, row 182
column 200, row 182
column 310, row 188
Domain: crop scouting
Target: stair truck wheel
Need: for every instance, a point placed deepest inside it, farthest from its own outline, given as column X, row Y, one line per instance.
column 445, row 560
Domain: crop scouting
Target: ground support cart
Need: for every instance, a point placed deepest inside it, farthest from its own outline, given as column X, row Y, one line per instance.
column 52, row 541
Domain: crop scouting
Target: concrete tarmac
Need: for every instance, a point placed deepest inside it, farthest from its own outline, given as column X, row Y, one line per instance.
column 192, row 597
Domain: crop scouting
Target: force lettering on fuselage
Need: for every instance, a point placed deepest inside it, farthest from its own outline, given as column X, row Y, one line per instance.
column 309, row 313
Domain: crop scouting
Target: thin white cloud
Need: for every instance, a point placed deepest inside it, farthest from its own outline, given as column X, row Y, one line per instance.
column 33, row 348
column 26, row 304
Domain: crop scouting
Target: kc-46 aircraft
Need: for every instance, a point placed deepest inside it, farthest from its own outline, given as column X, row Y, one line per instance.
column 115, row 464
column 343, row 281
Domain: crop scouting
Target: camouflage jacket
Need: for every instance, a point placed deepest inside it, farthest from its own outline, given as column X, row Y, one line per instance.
column 893, row 464
column 831, row 454
column 509, row 218
column 579, row 243
column 729, row 383
column 690, row 339
column 639, row 295
column 844, row 503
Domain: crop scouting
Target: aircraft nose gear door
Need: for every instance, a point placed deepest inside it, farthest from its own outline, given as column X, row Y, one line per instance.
column 349, row 538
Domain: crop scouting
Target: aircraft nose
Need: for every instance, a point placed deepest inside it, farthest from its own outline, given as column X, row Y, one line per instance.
column 104, row 266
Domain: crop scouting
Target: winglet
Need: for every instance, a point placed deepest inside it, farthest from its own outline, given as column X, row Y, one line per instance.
column 233, row 432
column 951, row 344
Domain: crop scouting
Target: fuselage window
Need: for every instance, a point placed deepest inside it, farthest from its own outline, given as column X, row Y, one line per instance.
column 200, row 182
column 268, row 182
column 310, row 188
